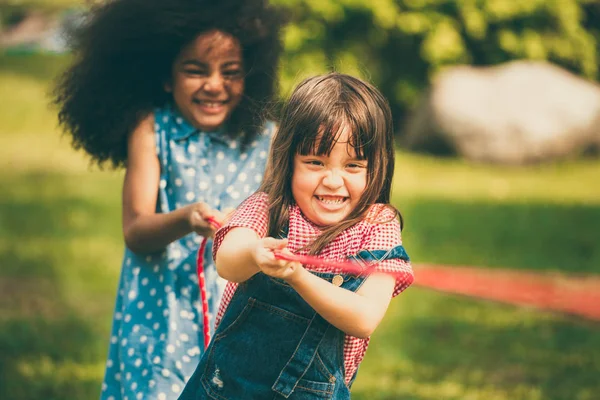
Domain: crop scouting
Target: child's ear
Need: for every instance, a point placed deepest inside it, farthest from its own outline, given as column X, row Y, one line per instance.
column 168, row 87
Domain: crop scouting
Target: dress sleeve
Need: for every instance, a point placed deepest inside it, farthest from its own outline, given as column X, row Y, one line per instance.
column 252, row 213
column 383, row 242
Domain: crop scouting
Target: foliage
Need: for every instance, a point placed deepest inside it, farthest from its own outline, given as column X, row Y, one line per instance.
column 401, row 44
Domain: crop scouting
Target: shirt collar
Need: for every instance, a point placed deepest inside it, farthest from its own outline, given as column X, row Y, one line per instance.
column 298, row 216
column 182, row 129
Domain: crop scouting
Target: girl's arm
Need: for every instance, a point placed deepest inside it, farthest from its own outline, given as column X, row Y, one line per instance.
column 355, row 313
column 240, row 252
column 146, row 231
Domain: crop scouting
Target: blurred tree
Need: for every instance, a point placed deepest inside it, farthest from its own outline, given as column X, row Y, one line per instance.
column 400, row 44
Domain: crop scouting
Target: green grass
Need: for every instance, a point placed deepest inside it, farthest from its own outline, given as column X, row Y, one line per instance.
column 49, row 5
column 61, row 247
column 432, row 346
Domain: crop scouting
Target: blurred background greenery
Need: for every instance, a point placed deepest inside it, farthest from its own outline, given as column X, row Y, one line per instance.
column 61, row 241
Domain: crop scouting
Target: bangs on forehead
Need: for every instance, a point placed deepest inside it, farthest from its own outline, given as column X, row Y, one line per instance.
column 319, row 138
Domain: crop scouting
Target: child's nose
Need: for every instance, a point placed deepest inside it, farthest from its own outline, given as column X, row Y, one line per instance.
column 214, row 83
column 333, row 179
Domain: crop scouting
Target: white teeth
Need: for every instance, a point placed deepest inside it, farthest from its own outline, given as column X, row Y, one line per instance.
column 211, row 104
column 331, row 201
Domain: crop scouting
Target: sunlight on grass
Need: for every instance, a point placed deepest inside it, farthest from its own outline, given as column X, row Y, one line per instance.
column 64, row 372
column 61, row 247
column 29, row 138
column 436, row 346
column 47, row 4
column 573, row 182
column 47, row 378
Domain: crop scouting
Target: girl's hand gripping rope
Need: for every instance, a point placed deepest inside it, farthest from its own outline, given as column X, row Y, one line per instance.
column 265, row 257
column 274, row 259
column 204, row 220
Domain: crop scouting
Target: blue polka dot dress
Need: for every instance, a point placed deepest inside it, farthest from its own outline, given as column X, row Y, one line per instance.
column 156, row 340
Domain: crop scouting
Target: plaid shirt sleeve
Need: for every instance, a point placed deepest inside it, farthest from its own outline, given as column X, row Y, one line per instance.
column 384, row 234
column 252, row 214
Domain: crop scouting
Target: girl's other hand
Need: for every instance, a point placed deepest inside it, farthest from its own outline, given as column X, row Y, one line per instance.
column 268, row 264
column 198, row 215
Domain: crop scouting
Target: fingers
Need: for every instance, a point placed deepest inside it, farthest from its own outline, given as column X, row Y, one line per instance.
column 275, row 244
column 269, row 264
column 199, row 219
column 221, row 217
column 202, row 211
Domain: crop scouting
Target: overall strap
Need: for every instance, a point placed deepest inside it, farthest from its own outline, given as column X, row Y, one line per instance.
column 306, row 350
column 397, row 252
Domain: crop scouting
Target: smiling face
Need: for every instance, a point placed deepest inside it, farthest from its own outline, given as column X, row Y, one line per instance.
column 328, row 187
column 208, row 79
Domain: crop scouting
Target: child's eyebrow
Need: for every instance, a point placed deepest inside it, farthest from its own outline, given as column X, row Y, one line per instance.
column 193, row 62
column 198, row 63
column 235, row 63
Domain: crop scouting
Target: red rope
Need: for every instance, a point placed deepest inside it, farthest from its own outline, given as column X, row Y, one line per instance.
column 349, row 266
column 202, row 283
column 202, row 286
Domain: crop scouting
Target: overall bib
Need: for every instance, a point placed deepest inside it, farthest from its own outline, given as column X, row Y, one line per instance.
column 272, row 345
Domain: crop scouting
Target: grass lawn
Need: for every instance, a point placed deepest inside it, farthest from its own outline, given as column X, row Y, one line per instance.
column 432, row 346
column 61, row 246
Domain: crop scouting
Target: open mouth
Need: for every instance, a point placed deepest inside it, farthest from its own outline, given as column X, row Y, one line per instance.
column 331, row 200
column 210, row 104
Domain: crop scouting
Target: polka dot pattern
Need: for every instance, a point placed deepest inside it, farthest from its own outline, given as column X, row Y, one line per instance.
column 156, row 339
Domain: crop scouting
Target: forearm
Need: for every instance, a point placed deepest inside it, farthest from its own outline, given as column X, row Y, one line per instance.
column 153, row 232
column 348, row 311
column 234, row 260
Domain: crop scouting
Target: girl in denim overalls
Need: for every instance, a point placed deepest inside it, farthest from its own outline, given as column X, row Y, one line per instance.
column 287, row 330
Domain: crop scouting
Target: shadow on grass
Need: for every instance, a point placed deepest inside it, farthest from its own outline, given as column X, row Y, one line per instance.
column 530, row 236
column 434, row 346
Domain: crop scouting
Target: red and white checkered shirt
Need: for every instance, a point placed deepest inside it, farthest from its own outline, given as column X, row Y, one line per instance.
column 380, row 230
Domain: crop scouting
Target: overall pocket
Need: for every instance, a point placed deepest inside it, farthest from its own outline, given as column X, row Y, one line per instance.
column 317, row 383
column 246, row 357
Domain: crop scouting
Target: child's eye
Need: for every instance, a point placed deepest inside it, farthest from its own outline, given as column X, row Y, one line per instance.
column 355, row 166
column 194, row 71
column 313, row 162
column 233, row 73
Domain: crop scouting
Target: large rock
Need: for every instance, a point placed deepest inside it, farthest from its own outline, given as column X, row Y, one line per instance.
column 514, row 113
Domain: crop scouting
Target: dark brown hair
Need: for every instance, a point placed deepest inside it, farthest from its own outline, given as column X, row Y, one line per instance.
column 310, row 124
column 124, row 53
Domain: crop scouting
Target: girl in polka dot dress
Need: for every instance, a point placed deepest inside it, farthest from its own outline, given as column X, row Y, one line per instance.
column 173, row 91
column 292, row 331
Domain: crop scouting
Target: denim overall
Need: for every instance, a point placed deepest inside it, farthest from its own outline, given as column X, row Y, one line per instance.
column 271, row 344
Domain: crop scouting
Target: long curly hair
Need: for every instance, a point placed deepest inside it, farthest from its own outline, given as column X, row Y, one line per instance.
column 123, row 55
